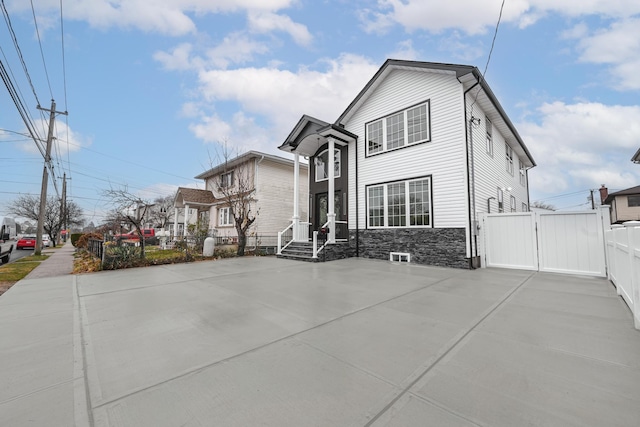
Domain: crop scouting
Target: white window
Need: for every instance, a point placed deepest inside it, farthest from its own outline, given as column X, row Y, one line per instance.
column 525, row 208
column 322, row 165
column 225, row 218
column 400, row 204
column 513, row 204
column 509, row 158
column 500, row 201
column 398, row 130
column 489, row 136
column 226, row 179
column 523, row 173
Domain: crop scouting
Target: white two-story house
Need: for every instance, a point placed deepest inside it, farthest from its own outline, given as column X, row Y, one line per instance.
column 419, row 153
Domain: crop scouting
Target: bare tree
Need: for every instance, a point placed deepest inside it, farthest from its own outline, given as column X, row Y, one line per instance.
column 541, row 205
column 162, row 211
column 235, row 186
column 130, row 209
column 26, row 206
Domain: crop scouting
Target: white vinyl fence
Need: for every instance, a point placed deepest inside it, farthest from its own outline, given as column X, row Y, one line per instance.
column 559, row 242
column 623, row 256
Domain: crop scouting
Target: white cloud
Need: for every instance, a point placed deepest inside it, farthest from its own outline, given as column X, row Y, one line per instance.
column 617, row 46
column 163, row 16
column 405, row 50
column 282, row 96
column 236, row 48
column 266, row 22
column 582, row 145
column 66, row 140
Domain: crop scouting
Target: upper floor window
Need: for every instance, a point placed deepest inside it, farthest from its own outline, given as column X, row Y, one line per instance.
column 226, row 179
column 225, row 218
column 400, row 204
column 509, row 158
column 398, row 130
column 322, row 165
column 633, row 201
column 523, row 173
column 489, row 127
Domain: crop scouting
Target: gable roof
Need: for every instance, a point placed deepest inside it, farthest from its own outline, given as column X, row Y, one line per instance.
column 627, row 192
column 242, row 159
column 467, row 75
column 636, row 157
column 193, row 197
column 311, row 133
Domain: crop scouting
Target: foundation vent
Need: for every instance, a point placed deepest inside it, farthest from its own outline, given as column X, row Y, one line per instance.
column 399, row 257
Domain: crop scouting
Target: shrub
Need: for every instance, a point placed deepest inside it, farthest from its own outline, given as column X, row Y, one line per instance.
column 75, row 237
column 83, row 241
column 117, row 257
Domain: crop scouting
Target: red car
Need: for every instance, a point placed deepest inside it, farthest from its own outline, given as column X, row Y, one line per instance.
column 26, row 242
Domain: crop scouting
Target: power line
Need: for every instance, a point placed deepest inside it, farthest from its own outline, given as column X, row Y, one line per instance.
column 46, row 73
column 17, row 46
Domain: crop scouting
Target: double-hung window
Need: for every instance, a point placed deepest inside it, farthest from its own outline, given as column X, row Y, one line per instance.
column 400, row 204
column 225, row 217
column 226, row 179
column 633, row 201
column 500, row 201
column 400, row 129
column 489, row 127
column 513, row 203
column 523, row 173
column 509, row 158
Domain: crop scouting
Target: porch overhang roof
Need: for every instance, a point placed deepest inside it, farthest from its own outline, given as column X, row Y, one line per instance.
column 636, row 157
column 193, row 198
column 310, row 134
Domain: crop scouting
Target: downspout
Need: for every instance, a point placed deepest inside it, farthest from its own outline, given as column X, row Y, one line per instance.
column 255, row 185
column 469, row 139
column 357, row 204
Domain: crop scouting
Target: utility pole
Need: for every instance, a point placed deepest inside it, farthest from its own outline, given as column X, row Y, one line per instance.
column 45, row 176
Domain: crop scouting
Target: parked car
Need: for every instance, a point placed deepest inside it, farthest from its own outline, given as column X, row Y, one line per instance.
column 147, row 233
column 46, row 242
column 26, row 242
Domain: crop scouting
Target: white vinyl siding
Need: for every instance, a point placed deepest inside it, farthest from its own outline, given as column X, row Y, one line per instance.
column 442, row 158
column 410, row 126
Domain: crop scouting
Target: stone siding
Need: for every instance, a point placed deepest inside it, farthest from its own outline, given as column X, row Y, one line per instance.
column 445, row 247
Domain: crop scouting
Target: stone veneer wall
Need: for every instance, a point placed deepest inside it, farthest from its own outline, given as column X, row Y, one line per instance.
column 445, row 247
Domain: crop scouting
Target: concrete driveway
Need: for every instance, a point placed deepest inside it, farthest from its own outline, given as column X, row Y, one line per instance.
column 262, row 341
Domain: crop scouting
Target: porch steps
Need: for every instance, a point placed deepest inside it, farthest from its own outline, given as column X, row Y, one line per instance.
column 301, row 251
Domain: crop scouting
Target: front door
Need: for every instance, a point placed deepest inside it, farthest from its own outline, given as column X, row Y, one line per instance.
column 322, row 207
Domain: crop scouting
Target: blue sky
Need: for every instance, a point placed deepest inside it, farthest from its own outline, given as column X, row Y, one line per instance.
column 153, row 87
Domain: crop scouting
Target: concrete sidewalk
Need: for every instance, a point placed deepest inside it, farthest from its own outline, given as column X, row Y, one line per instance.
column 59, row 263
column 262, row 341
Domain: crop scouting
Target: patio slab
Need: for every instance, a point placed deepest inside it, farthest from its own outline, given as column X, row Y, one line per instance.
column 264, row 341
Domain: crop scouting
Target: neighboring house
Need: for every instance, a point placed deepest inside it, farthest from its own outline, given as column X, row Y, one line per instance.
column 190, row 204
column 625, row 204
column 268, row 181
column 421, row 150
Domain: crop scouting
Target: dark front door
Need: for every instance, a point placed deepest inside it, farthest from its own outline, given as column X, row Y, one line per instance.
column 322, row 207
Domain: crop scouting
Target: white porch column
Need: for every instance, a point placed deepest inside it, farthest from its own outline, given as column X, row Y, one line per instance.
column 296, row 197
column 175, row 223
column 186, row 220
column 331, row 211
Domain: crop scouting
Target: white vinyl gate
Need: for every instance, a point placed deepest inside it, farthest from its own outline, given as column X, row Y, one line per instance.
column 559, row 242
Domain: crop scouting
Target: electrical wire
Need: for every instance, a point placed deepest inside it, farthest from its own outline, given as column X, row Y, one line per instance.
column 35, row 23
column 493, row 42
column 17, row 46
